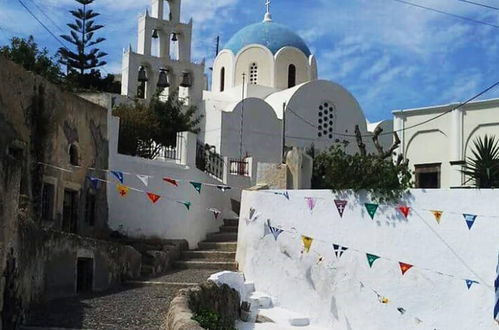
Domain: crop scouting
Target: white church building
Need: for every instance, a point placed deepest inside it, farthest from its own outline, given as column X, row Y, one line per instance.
column 264, row 78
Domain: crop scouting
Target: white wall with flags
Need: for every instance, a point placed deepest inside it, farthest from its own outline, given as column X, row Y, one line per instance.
column 451, row 283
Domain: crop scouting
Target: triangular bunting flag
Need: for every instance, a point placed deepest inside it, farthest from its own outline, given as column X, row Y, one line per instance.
column 94, row 182
column 307, row 242
column 144, row 179
column 216, row 213
column 273, row 230
column 371, row 209
column 118, row 175
column 186, row 204
column 469, row 283
column 371, row 258
column 311, row 202
column 197, row 186
column 252, row 213
column 224, row 188
column 171, row 181
column 153, row 197
column 404, row 210
column 437, row 215
column 340, row 205
column 123, row 190
column 339, row 250
column 470, row 220
column 404, row 267
column 285, row 194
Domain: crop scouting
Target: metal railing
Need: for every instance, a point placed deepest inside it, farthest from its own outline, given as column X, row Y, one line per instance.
column 170, row 152
column 239, row 167
column 209, row 161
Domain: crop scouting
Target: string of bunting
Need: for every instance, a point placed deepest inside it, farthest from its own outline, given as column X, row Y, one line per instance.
column 120, row 176
column 339, row 249
column 372, row 208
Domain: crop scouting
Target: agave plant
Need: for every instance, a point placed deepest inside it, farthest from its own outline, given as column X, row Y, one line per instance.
column 483, row 168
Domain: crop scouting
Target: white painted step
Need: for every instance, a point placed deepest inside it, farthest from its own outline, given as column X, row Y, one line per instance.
column 260, row 300
column 283, row 316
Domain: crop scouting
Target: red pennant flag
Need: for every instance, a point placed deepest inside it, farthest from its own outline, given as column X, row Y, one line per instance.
column 171, row 181
column 153, row 197
column 404, row 210
column 404, row 267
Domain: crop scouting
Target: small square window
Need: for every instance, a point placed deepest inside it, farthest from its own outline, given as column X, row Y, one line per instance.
column 427, row 176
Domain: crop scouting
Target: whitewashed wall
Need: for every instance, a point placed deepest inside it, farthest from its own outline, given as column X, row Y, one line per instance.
column 330, row 291
column 138, row 217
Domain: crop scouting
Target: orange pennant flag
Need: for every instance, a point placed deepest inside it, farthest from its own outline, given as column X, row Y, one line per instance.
column 307, row 243
column 438, row 215
column 404, row 210
column 404, row 267
column 123, row 190
column 153, row 197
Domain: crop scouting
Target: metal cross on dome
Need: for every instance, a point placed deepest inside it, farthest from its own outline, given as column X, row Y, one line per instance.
column 267, row 3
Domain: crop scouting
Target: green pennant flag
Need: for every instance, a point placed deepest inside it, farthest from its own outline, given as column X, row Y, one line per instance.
column 186, row 204
column 371, row 258
column 371, row 209
column 197, row 186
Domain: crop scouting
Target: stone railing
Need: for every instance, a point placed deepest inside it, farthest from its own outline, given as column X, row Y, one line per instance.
column 207, row 296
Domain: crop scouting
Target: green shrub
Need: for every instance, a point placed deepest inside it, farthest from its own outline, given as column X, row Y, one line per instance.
column 211, row 321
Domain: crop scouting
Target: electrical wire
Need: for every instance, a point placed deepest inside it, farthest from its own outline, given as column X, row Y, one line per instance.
column 46, row 16
column 448, row 14
column 480, row 4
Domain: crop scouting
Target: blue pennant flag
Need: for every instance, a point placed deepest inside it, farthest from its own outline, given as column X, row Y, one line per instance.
column 273, row 230
column 469, row 283
column 118, row 175
column 496, row 285
column 339, row 250
column 94, row 182
column 470, row 219
column 285, row 194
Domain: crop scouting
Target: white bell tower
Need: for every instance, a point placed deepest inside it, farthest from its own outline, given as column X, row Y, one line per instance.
column 163, row 56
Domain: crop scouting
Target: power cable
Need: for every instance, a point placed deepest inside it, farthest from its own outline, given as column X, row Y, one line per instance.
column 448, row 14
column 41, row 23
column 479, row 4
column 46, row 16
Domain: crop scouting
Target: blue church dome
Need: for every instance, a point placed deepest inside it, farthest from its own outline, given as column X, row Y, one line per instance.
column 269, row 34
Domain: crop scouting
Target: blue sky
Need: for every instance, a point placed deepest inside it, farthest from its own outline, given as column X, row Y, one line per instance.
column 388, row 54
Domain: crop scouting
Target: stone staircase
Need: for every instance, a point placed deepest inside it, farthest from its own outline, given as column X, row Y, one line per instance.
column 217, row 252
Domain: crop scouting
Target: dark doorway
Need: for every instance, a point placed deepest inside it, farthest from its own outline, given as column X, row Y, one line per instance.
column 84, row 274
column 70, row 211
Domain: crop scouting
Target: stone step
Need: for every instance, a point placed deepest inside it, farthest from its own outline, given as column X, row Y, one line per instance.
column 221, row 237
column 218, row 246
column 210, row 255
column 231, row 222
column 229, row 229
column 260, row 300
column 282, row 316
column 203, row 264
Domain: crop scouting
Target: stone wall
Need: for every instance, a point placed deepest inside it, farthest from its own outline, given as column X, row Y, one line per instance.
column 39, row 123
column 221, row 300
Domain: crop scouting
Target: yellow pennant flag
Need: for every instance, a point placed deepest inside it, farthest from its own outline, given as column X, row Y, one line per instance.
column 437, row 215
column 307, row 243
column 123, row 190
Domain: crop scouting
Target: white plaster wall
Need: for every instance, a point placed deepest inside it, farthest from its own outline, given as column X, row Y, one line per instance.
column 261, row 131
column 304, row 100
column 259, row 55
column 224, row 60
column 286, row 56
column 456, row 132
column 330, row 292
column 165, row 219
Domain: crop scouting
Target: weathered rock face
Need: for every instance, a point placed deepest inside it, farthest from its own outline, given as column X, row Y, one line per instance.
column 222, row 300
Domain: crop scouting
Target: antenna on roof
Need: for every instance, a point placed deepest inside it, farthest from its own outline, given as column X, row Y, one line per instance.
column 268, row 15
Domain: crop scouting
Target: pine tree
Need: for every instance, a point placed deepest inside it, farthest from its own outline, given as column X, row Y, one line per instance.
column 82, row 37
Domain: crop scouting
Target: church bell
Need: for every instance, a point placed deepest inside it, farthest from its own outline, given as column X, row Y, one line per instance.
column 142, row 74
column 174, row 37
column 163, row 79
column 155, row 34
column 186, row 79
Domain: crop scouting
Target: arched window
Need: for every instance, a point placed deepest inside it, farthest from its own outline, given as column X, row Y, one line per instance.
column 73, row 155
column 222, row 79
column 253, row 79
column 291, row 75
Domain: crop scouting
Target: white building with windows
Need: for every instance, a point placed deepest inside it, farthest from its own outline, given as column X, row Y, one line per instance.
column 263, row 79
column 438, row 149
